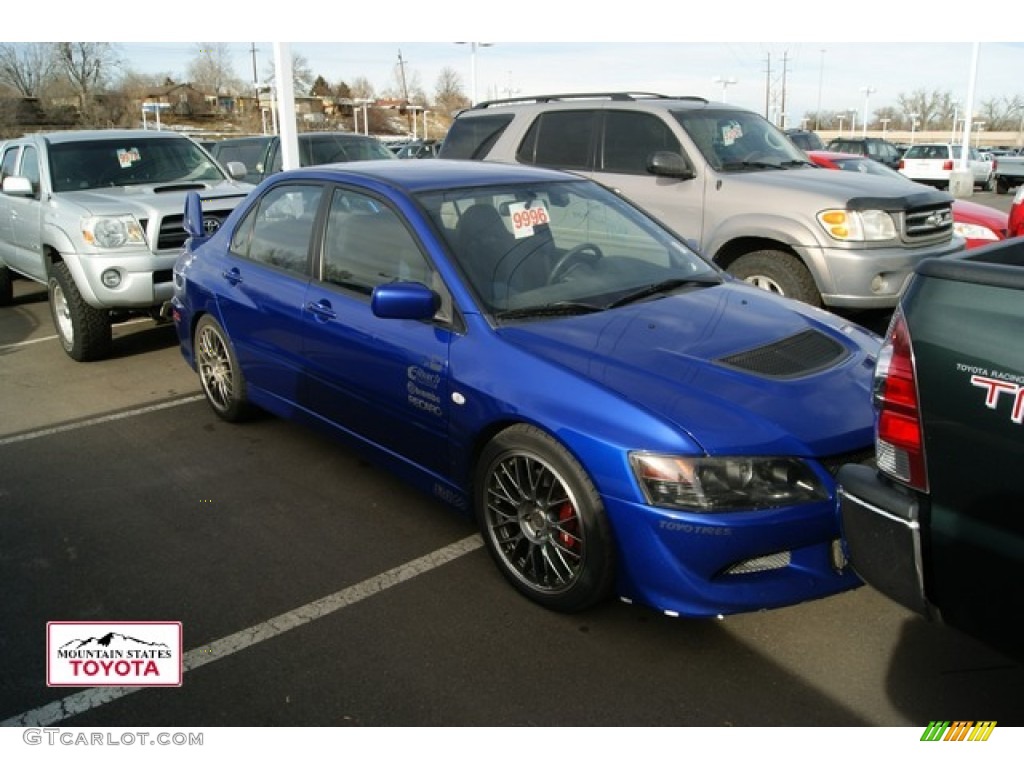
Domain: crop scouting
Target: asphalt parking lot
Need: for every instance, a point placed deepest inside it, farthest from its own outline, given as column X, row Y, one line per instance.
column 316, row 590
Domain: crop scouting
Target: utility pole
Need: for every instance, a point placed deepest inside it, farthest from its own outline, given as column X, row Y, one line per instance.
column 255, row 78
column 782, row 108
column 405, row 88
column 768, row 89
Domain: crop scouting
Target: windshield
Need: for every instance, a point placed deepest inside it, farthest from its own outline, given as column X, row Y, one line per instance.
column 868, row 166
column 77, row 165
column 560, row 248
column 343, row 149
column 733, row 140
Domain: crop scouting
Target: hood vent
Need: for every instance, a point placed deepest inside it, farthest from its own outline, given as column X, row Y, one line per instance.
column 800, row 355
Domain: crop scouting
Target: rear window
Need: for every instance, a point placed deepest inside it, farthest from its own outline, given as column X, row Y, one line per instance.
column 471, row 137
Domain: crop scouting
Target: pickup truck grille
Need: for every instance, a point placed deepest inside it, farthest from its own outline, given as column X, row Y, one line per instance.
column 171, row 235
column 927, row 223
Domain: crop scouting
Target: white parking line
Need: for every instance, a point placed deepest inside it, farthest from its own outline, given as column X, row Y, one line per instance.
column 98, row 420
column 92, row 698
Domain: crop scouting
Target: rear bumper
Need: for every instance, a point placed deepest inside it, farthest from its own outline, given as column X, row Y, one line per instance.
column 881, row 525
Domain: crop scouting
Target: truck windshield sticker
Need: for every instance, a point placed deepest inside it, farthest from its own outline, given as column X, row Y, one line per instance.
column 525, row 219
column 731, row 133
column 128, row 156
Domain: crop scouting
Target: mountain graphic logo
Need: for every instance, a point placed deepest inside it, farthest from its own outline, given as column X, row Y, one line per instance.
column 110, row 641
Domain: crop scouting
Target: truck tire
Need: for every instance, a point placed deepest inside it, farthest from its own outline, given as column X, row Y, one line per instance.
column 6, row 287
column 1002, row 185
column 777, row 272
column 84, row 331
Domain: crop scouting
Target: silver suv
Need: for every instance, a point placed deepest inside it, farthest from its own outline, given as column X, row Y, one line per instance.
column 732, row 184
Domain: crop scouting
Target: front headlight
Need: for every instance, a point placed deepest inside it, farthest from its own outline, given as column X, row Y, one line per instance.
column 735, row 483
column 112, row 231
column 857, row 226
column 974, row 231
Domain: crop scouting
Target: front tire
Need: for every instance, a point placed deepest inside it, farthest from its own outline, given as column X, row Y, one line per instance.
column 84, row 331
column 219, row 373
column 543, row 520
column 779, row 273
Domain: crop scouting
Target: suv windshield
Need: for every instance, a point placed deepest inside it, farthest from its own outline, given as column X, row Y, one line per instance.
column 732, row 140
column 124, row 162
column 560, row 248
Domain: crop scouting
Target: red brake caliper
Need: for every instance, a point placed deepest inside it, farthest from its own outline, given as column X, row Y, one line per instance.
column 567, row 526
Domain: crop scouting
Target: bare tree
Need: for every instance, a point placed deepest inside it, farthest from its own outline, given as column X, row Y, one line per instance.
column 933, row 110
column 87, row 66
column 302, row 75
column 27, row 67
column 211, row 70
column 448, row 93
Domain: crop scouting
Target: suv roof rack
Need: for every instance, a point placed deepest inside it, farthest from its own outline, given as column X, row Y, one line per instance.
column 611, row 95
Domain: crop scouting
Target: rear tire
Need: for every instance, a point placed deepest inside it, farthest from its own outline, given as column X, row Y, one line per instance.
column 777, row 272
column 6, row 287
column 84, row 331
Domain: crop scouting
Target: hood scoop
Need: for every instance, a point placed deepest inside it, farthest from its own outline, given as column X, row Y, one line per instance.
column 802, row 354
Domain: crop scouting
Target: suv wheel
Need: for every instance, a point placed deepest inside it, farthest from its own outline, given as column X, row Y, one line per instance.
column 84, row 331
column 6, row 286
column 777, row 272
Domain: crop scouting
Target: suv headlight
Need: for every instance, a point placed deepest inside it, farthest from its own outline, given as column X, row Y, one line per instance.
column 725, row 484
column 858, row 225
column 112, row 231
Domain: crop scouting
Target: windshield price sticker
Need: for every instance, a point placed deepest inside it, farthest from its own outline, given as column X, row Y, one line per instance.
column 525, row 219
column 125, row 157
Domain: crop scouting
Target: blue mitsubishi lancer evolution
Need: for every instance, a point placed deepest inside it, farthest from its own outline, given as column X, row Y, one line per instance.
column 620, row 416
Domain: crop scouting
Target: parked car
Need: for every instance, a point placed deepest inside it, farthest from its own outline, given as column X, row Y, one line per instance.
column 729, row 181
column 320, row 148
column 248, row 150
column 1015, row 225
column 935, row 522
column 525, row 345
column 805, row 140
column 884, row 152
column 419, row 149
column 978, row 224
column 933, row 163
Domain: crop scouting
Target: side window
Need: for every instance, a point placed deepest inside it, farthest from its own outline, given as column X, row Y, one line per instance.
column 366, row 244
column 630, row 138
column 30, row 167
column 8, row 165
column 279, row 229
column 471, row 138
column 559, row 140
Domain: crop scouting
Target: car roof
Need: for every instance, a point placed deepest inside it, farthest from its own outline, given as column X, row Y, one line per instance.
column 427, row 175
column 59, row 137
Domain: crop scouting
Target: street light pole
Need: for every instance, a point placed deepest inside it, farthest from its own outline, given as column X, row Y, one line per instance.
column 472, row 68
column 821, row 78
column 913, row 125
column 867, row 90
column 726, row 82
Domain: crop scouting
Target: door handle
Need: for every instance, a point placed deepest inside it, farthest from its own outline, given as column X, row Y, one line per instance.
column 322, row 310
column 232, row 275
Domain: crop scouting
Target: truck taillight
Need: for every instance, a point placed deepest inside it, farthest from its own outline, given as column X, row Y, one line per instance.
column 948, row 165
column 899, row 443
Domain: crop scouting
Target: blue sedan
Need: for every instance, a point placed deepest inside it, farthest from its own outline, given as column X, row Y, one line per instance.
column 619, row 415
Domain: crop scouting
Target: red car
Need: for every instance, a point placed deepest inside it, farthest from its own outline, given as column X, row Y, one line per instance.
column 1016, row 226
column 977, row 224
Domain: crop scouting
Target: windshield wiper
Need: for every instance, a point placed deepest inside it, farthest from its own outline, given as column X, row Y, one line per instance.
column 550, row 310
column 737, row 165
column 665, row 286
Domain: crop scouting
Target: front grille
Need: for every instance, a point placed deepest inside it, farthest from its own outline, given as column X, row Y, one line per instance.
column 927, row 223
column 172, row 228
column 771, row 562
column 799, row 355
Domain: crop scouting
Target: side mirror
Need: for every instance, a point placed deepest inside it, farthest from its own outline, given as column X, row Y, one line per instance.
column 670, row 164
column 236, row 170
column 18, row 186
column 194, row 216
column 404, row 301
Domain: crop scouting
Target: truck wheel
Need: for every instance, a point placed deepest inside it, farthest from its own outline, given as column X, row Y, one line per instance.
column 1002, row 185
column 6, row 287
column 84, row 331
column 777, row 272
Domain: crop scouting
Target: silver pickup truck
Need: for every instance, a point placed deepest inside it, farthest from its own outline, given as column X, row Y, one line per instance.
column 97, row 217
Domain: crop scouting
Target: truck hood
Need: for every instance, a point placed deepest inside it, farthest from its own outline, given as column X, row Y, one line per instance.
column 154, row 198
column 856, row 191
column 737, row 369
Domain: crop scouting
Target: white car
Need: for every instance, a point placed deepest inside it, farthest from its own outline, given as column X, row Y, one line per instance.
column 933, row 163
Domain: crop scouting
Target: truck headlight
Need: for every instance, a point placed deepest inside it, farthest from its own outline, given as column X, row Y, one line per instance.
column 857, row 226
column 725, row 484
column 112, row 231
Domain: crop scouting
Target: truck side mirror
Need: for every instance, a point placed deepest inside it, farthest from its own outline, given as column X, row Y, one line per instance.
column 671, row 164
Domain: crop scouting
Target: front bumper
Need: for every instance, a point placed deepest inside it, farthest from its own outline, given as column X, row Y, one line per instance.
column 881, row 525
column 145, row 279
column 874, row 279
column 687, row 564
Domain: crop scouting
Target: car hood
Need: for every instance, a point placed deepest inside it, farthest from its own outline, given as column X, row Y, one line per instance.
column 737, row 369
column 857, row 191
column 154, row 198
column 976, row 213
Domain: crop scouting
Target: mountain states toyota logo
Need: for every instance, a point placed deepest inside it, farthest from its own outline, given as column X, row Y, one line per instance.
column 113, row 653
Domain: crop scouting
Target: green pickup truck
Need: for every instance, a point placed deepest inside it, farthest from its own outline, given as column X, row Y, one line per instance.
column 938, row 523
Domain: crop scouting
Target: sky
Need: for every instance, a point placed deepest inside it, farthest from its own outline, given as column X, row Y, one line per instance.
column 584, row 47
